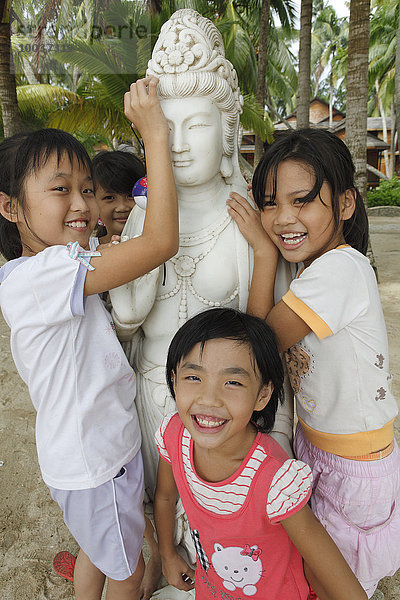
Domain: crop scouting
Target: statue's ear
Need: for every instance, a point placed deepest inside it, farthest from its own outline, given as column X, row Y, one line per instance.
column 226, row 166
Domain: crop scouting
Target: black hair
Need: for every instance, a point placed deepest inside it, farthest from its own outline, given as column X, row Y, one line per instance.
column 116, row 171
column 331, row 161
column 230, row 324
column 22, row 154
column 10, row 241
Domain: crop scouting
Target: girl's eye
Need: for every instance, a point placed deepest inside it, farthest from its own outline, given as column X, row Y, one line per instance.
column 192, row 378
column 108, row 198
column 88, row 191
column 236, row 383
column 268, row 203
column 301, row 201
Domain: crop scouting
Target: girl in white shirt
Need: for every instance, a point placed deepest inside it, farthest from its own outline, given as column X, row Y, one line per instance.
column 62, row 337
column 330, row 325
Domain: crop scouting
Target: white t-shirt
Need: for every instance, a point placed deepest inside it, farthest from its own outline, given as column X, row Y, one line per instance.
column 80, row 382
column 340, row 371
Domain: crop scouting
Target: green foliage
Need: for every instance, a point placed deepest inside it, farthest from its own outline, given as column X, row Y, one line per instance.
column 91, row 141
column 386, row 194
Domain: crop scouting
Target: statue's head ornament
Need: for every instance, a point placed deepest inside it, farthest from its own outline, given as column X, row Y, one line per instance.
column 189, row 60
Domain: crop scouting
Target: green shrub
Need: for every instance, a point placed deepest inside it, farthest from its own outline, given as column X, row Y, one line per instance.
column 386, row 194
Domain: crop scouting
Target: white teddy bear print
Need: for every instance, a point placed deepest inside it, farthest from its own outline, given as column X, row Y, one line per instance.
column 238, row 567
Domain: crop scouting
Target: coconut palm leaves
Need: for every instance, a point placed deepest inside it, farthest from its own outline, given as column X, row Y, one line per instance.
column 99, row 68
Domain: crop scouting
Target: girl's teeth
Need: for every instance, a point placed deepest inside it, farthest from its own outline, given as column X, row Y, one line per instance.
column 76, row 224
column 208, row 422
column 293, row 238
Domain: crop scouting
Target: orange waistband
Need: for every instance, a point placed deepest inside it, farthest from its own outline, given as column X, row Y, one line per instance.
column 364, row 445
column 374, row 455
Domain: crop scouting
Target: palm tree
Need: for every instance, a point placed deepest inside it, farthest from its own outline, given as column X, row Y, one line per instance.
column 261, row 72
column 397, row 84
column 303, row 90
column 357, row 94
column 8, row 97
column 329, row 38
column 101, row 94
column 383, row 32
column 357, row 89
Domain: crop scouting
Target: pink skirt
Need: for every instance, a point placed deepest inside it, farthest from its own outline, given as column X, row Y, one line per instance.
column 358, row 503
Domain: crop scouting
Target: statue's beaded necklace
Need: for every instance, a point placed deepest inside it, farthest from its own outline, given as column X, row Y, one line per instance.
column 185, row 267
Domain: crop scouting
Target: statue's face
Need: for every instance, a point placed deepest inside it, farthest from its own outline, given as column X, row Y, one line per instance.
column 195, row 139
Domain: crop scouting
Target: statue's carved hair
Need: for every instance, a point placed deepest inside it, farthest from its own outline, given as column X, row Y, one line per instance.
column 189, row 60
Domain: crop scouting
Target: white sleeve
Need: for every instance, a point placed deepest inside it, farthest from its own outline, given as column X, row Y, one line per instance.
column 57, row 283
column 329, row 294
column 159, row 437
column 290, row 490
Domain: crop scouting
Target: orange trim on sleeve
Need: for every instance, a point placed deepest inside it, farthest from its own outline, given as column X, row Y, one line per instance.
column 350, row 444
column 318, row 325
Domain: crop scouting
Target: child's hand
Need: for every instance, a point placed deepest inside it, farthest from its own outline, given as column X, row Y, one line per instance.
column 250, row 192
column 249, row 222
column 178, row 573
column 142, row 107
column 115, row 239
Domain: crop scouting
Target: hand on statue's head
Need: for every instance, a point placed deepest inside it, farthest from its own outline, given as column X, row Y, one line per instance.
column 142, row 107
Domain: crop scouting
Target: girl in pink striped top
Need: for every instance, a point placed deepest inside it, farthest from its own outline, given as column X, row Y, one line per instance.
column 246, row 501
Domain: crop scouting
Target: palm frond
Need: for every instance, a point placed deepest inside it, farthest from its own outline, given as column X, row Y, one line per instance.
column 253, row 118
column 40, row 99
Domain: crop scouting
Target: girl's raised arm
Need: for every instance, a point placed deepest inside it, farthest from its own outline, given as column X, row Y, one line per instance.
column 261, row 295
column 289, row 328
column 124, row 262
column 173, row 565
column 325, row 567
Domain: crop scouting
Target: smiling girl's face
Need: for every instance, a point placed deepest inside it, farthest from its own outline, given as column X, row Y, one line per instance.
column 217, row 388
column 301, row 231
column 59, row 205
column 114, row 209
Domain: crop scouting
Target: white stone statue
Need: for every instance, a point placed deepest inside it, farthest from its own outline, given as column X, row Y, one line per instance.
column 201, row 100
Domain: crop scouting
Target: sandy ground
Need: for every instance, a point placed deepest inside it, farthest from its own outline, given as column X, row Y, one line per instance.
column 31, row 525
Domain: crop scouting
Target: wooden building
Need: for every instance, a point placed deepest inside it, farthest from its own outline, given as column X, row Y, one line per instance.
column 319, row 117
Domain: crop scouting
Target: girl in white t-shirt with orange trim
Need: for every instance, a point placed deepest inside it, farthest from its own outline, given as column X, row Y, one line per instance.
column 330, row 325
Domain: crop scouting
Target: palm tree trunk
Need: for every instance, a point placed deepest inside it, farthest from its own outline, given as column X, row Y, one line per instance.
column 357, row 89
column 388, row 165
column 261, row 70
column 303, row 89
column 397, row 87
column 357, row 95
column 392, row 138
column 8, row 94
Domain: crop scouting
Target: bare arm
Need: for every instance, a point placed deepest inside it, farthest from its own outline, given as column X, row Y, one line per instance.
column 124, row 262
column 330, row 575
column 173, row 565
column 261, row 295
column 289, row 328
